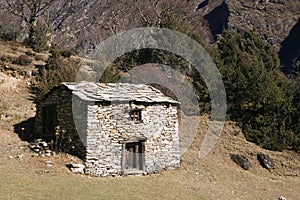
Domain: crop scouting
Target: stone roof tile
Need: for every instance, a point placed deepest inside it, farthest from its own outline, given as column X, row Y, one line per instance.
column 90, row 91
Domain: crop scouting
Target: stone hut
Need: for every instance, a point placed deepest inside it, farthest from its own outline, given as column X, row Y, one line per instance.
column 116, row 128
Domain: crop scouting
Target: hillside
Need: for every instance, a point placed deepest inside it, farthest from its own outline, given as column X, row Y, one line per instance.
column 97, row 20
column 23, row 175
column 272, row 19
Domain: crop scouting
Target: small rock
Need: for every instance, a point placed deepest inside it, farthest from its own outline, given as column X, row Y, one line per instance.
column 76, row 167
column 111, row 171
column 281, row 198
column 41, row 147
column 265, row 161
column 47, row 154
column 38, row 140
column 49, row 163
column 104, row 175
column 20, row 156
column 241, row 161
column 77, row 170
column 44, row 144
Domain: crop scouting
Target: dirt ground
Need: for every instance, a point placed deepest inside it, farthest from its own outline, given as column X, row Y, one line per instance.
column 213, row 177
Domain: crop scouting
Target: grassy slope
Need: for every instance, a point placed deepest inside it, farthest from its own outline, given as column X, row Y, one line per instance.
column 214, row 177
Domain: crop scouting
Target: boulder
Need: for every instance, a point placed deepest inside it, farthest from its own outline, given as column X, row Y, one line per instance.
column 241, row 161
column 265, row 161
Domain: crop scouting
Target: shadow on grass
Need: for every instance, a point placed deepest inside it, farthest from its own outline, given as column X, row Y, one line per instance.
column 24, row 130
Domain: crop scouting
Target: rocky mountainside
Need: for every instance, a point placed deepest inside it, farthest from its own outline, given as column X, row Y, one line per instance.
column 275, row 20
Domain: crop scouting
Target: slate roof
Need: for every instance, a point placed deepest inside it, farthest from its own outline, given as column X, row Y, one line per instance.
column 91, row 91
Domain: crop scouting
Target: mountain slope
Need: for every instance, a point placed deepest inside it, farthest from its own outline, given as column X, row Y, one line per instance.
column 23, row 175
column 98, row 20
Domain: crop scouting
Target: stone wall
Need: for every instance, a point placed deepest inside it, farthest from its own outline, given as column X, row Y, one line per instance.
column 110, row 126
column 62, row 99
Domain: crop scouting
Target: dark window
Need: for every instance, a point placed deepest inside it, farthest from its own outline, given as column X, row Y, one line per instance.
column 49, row 115
column 134, row 156
column 136, row 115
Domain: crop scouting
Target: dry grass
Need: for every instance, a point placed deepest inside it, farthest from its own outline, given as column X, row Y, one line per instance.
column 11, row 51
column 24, row 176
column 213, row 177
column 14, row 104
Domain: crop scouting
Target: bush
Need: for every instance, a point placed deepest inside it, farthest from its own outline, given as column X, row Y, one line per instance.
column 56, row 71
column 66, row 53
column 8, row 36
column 296, row 101
column 5, row 58
column 30, row 53
column 22, row 60
column 38, row 57
column 39, row 37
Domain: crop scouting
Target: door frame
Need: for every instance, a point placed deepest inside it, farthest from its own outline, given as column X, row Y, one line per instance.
column 133, row 153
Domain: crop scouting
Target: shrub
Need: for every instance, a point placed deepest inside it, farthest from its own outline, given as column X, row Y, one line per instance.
column 5, row 58
column 68, row 143
column 30, row 53
column 8, row 36
column 56, row 71
column 38, row 57
column 39, row 37
column 22, row 60
column 66, row 53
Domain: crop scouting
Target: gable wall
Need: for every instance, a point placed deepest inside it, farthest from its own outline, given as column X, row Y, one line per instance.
column 62, row 99
column 109, row 126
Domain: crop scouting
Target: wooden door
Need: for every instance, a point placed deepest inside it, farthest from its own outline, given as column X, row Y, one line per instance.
column 134, row 156
column 49, row 119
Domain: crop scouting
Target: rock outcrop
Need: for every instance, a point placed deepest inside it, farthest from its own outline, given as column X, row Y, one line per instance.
column 241, row 161
column 265, row 161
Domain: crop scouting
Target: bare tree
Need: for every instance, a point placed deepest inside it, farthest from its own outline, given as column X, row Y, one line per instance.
column 28, row 10
column 51, row 12
column 61, row 10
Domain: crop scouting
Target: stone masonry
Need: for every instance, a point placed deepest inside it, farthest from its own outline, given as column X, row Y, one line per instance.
column 126, row 128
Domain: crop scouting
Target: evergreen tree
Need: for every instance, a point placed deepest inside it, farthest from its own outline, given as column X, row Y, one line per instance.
column 259, row 95
column 57, row 70
column 296, row 117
